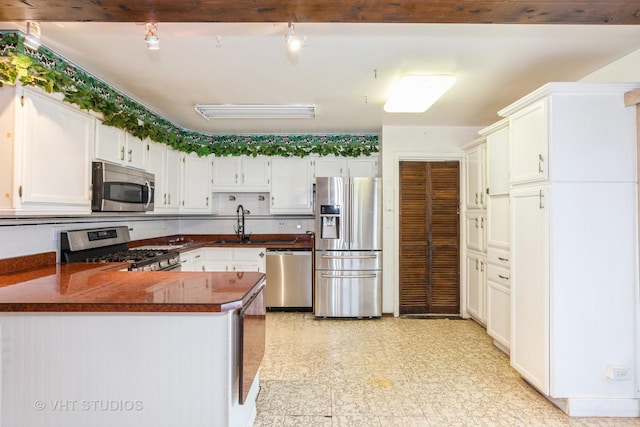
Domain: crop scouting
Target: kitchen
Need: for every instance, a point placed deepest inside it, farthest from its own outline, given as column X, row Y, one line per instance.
column 406, row 142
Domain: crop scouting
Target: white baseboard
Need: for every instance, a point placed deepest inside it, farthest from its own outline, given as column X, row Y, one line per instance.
column 603, row 407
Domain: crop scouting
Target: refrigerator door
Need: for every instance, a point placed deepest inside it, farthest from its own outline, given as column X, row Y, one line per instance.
column 332, row 213
column 365, row 216
column 348, row 294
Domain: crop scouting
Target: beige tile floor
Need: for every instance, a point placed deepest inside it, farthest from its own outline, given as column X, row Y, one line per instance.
column 395, row 372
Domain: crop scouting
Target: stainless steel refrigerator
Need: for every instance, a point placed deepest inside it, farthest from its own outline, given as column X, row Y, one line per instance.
column 348, row 247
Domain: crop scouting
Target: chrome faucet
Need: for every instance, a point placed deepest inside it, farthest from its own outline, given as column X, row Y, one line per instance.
column 239, row 227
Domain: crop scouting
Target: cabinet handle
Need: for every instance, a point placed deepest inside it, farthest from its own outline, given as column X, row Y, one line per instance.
column 477, row 260
column 503, row 277
column 243, row 178
column 476, row 221
column 130, row 152
column 541, row 200
column 481, row 198
column 481, row 266
column 540, row 162
column 122, row 154
column 481, row 222
column 197, row 256
column 236, row 178
column 503, row 259
column 476, row 202
column 273, row 201
column 261, row 254
column 207, row 201
column 164, row 199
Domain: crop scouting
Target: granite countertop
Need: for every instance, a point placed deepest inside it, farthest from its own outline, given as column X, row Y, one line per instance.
column 81, row 287
column 186, row 242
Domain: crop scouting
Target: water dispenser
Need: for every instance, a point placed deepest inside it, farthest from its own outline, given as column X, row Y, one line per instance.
column 329, row 221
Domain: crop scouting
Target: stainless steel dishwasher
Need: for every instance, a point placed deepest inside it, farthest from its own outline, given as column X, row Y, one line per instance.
column 289, row 279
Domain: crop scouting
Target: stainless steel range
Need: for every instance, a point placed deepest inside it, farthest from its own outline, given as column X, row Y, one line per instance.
column 111, row 245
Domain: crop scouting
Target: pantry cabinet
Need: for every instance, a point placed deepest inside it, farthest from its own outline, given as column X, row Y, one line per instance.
column 164, row 163
column 117, row 146
column 45, row 163
column 476, row 280
column 573, row 241
column 475, row 162
column 291, row 186
column 249, row 174
column 195, row 184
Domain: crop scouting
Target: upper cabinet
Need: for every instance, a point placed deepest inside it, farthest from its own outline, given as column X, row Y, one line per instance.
column 363, row 166
column 196, row 184
column 530, row 149
column 475, row 155
column 330, row 166
column 116, row 146
column 250, row 174
column 497, row 174
column 164, row 163
column 44, row 158
column 291, row 186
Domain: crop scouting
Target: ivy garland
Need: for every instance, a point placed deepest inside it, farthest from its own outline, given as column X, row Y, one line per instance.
column 48, row 71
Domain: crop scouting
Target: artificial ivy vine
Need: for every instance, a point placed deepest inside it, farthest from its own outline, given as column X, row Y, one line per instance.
column 46, row 70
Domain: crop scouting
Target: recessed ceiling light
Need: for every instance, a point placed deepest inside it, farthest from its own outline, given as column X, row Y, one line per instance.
column 415, row 93
column 257, row 111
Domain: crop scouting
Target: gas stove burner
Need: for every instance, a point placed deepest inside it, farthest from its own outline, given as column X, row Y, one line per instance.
column 110, row 245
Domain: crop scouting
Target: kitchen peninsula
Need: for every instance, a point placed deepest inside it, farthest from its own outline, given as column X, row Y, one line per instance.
column 89, row 344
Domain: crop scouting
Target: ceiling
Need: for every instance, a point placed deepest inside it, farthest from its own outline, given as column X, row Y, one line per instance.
column 345, row 68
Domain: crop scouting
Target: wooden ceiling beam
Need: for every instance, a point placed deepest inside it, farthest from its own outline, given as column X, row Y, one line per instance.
column 598, row 12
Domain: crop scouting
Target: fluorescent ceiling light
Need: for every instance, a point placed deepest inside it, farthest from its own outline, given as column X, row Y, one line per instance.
column 415, row 93
column 257, row 111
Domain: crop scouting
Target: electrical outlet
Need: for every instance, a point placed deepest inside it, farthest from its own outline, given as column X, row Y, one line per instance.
column 280, row 224
column 619, row 372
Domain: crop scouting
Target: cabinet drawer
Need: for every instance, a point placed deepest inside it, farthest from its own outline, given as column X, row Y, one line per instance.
column 499, row 257
column 499, row 275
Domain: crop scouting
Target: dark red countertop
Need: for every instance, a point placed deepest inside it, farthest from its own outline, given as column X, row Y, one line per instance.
column 80, row 287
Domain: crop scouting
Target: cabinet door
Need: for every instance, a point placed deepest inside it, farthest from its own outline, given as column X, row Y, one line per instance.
column 498, row 221
column 56, row 164
column 135, row 152
column 363, row 166
column 476, row 273
column 255, row 174
column 249, row 259
column 476, row 231
column 529, row 143
column 156, row 165
column 530, row 286
column 172, row 175
column 196, row 184
column 109, row 143
column 291, row 186
column 498, row 313
column 330, row 166
column 225, row 173
column 475, row 171
column 498, row 162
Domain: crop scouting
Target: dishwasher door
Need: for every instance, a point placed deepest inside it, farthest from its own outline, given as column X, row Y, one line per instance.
column 289, row 279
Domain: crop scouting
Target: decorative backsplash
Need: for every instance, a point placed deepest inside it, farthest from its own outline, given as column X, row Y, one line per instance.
column 45, row 69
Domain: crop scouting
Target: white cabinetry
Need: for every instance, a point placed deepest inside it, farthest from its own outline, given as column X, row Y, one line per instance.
column 241, row 174
column 291, row 186
column 196, row 184
column 235, row 259
column 363, row 166
column 45, row 163
column 116, row 146
column 476, row 230
column 497, row 234
column 330, row 166
column 164, row 163
column 192, row 260
column 573, row 243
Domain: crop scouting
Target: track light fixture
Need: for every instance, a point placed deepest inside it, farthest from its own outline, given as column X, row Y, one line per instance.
column 151, row 37
column 293, row 41
column 32, row 39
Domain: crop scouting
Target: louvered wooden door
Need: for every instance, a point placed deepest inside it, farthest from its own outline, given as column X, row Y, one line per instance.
column 429, row 238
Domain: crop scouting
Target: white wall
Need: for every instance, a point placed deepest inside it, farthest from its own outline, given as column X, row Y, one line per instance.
column 421, row 143
column 625, row 69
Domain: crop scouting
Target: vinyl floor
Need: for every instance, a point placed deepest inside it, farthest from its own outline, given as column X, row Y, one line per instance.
column 396, row 372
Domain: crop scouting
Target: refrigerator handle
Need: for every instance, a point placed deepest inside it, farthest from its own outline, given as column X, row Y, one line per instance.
column 313, row 199
column 350, row 213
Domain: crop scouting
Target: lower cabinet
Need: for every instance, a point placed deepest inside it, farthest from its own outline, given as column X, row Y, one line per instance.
column 476, row 285
column 499, row 299
column 225, row 259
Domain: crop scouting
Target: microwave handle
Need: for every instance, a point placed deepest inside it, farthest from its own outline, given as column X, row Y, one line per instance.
column 150, row 197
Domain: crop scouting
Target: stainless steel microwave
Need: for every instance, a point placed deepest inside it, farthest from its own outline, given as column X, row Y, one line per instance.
column 120, row 189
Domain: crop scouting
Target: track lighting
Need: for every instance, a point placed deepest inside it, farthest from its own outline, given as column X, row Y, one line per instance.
column 151, row 37
column 294, row 42
column 32, row 39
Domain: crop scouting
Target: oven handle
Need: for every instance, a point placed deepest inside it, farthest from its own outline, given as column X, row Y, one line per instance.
column 347, row 276
column 148, row 184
